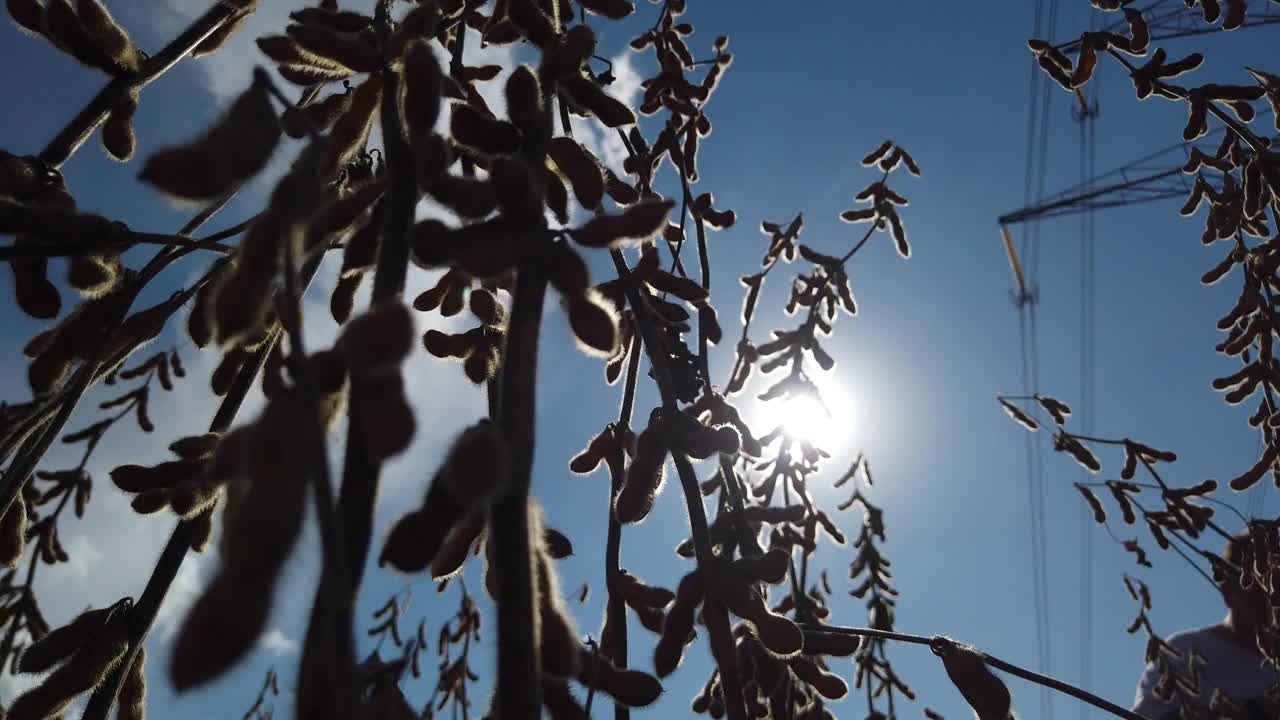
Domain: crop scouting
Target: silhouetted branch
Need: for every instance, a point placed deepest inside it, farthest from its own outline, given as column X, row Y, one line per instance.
column 14, row 252
column 37, row 444
column 71, row 137
column 994, row 662
column 616, row 608
column 714, row 612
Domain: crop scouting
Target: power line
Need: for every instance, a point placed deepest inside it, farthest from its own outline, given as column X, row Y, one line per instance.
column 1087, row 117
column 1041, row 98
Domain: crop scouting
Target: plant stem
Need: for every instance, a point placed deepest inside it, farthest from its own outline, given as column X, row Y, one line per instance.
column 615, row 608
column 1097, row 440
column 519, row 686
column 71, row 137
column 714, row 612
column 231, row 231
column 994, row 662
column 360, row 474
column 704, row 263
column 402, row 189
column 15, row 252
column 858, row 246
column 331, row 531
column 519, row 676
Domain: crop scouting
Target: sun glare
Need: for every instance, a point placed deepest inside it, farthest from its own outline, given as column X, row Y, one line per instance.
column 804, row 417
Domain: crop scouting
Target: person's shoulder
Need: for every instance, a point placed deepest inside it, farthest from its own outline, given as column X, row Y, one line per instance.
column 1192, row 637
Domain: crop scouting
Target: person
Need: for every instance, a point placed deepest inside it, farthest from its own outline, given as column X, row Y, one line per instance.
column 1230, row 648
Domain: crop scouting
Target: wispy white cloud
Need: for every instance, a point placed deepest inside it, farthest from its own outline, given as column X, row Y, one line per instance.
column 86, row 558
column 277, row 643
column 182, row 594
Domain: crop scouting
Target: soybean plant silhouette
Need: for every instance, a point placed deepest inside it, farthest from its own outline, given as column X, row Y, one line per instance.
column 747, row 579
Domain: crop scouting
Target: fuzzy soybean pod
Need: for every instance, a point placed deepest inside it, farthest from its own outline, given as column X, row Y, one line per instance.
column 13, row 532
column 679, row 625
column 475, row 468
column 829, row 685
column 90, row 664
column 986, row 693
column 202, row 530
column 387, row 423
column 601, row 447
column 457, row 544
column 637, row 594
column 375, row 344
column 594, row 323
column 35, row 294
column 59, row 644
column 351, row 129
column 107, row 34
column 828, row 643
column 416, row 538
column 632, row 688
column 118, row 136
column 778, row 634
column 771, row 567
column 558, row 639
column 94, row 274
column 559, row 702
column 692, row 438
column 217, row 39
column 227, row 619
column 645, row 474
column 422, row 84
column 132, row 701
column 230, row 152
column 56, row 349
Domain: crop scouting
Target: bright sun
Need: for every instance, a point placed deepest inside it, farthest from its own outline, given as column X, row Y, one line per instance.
column 802, row 416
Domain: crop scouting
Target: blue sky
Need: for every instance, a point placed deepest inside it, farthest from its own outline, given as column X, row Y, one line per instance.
column 936, row 338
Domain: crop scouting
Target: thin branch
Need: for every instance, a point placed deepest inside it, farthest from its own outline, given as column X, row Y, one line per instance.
column 71, row 137
column 231, row 231
column 37, row 444
column 54, row 250
column 704, row 264
column 615, row 608
column 1097, row 440
column 994, row 662
column 858, row 246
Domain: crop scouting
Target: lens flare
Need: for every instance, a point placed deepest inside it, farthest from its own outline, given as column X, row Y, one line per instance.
column 826, row 424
